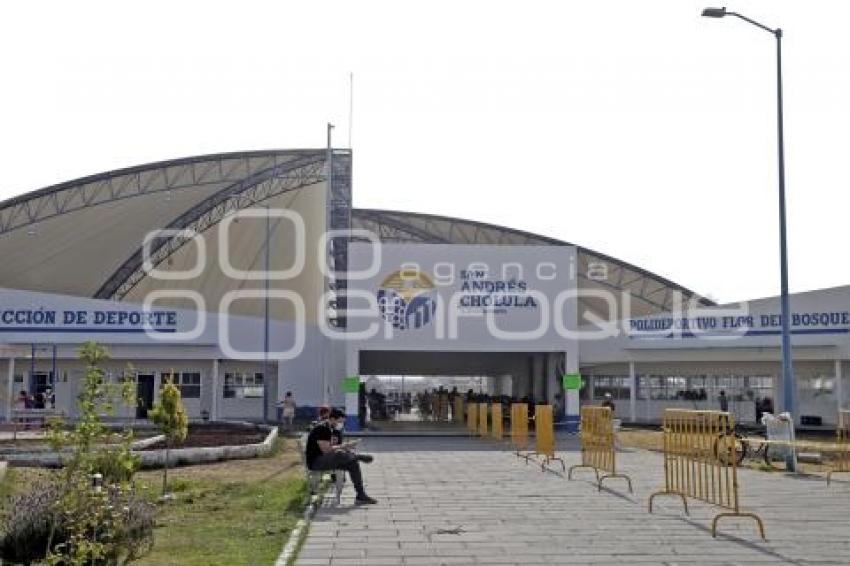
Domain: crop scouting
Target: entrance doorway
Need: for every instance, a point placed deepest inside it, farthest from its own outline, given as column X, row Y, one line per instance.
column 416, row 390
column 144, row 394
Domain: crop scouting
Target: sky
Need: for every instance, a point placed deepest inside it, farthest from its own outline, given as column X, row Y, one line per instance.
column 637, row 129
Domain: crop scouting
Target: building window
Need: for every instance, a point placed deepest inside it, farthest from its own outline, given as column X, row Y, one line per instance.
column 704, row 387
column 616, row 385
column 243, row 385
column 188, row 382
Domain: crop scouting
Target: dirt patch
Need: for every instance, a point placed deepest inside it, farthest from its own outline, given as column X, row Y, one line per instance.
column 210, row 435
column 641, row 438
column 283, row 463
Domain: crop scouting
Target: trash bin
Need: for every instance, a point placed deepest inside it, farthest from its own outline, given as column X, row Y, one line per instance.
column 780, row 428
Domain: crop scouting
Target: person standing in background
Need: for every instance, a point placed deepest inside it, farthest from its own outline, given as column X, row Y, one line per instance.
column 724, row 401
column 289, row 407
column 609, row 402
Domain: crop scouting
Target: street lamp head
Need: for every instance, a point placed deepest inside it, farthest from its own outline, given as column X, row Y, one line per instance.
column 714, row 12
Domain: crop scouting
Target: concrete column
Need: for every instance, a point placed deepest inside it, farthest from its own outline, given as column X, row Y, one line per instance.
column 537, row 378
column 553, row 382
column 839, row 387
column 10, row 389
column 632, row 393
column 571, row 397
column 216, row 393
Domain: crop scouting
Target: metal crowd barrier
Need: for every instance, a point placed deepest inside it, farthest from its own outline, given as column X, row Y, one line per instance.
column 693, row 441
column 497, row 421
column 544, row 436
column 841, row 465
column 519, row 428
column 472, row 417
column 457, row 414
column 482, row 419
column 598, row 450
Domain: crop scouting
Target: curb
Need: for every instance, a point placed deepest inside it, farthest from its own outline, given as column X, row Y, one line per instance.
column 299, row 533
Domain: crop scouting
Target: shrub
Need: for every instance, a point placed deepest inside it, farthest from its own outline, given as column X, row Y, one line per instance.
column 134, row 534
column 115, row 466
column 27, row 523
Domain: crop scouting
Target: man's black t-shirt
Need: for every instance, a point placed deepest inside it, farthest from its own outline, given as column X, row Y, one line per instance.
column 321, row 431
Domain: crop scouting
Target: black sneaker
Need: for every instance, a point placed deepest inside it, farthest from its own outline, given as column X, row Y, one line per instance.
column 365, row 458
column 364, row 500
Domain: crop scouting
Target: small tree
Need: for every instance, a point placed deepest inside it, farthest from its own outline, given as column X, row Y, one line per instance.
column 103, row 525
column 170, row 416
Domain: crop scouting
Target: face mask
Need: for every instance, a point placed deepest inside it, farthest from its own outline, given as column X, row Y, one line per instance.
column 338, row 426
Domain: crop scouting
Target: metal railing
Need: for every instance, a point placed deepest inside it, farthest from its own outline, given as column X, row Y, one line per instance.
column 695, row 443
column 472, row 418
column 544, row 436
column 598, row 450
column 497, row 423
column 841, row 464
column 457, row 414
column 519, row 428
column 483, row 416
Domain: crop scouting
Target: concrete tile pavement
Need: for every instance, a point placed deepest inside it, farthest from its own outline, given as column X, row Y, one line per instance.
column 469, row 501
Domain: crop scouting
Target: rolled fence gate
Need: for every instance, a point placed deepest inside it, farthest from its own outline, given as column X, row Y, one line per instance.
column 841, row 464
column 519, row 428
column 497, row 421
column 482, row 419
column 457, row 412
column 698, row 448
column 472, row 418
column 598, row 451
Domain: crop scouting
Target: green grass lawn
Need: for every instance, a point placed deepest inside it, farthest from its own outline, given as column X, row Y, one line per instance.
column 233, row 513
column 226, row 523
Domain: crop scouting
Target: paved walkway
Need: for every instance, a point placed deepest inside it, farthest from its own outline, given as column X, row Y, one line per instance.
column 466, row 501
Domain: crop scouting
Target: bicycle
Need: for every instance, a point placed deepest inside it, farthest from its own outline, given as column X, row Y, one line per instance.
column 742, row 448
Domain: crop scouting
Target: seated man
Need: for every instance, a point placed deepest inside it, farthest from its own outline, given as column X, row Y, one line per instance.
column 323, row 454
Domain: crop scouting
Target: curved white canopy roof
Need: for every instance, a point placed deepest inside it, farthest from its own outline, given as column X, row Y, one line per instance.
column 83, row 237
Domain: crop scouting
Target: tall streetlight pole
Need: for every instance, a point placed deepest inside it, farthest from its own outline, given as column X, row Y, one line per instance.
column 788, row 386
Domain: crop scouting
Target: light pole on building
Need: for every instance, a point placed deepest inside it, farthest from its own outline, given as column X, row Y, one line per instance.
column 788, row 386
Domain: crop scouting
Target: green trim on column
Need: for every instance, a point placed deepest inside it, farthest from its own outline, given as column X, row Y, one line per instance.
column 571, row 381
column 351, row 384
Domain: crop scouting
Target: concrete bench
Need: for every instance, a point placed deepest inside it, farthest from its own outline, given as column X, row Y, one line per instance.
column 315, row 477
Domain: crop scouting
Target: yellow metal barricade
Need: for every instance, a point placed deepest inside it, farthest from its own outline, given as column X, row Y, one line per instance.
column 698, row 448
column 457, row 415
column 482, row 419
column 497, row 421
column 841, row 465
column 598, row 450
column 519, row 428
column 472, row 417
column 544, row 436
